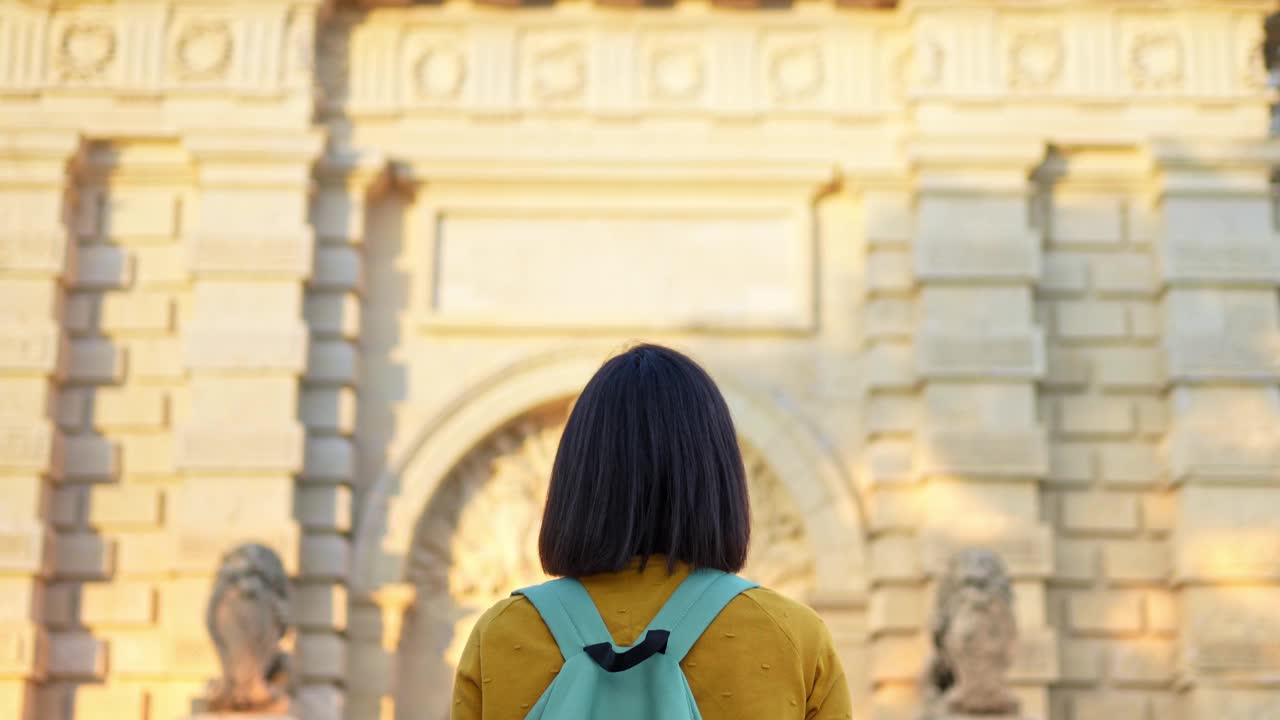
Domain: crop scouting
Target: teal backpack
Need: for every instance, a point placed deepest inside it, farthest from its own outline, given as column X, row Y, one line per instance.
column 640, row 682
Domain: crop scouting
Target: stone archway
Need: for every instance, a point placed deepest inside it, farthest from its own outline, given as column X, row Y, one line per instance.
column 477, row 539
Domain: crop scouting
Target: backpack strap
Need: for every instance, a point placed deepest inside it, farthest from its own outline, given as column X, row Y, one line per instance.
column 568, row 612
column 694, row 605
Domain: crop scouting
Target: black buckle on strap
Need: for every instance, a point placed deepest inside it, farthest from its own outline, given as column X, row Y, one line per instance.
column 655, row 641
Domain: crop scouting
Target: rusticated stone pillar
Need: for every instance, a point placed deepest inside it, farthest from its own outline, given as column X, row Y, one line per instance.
column 36, row 200
column 1220, row 255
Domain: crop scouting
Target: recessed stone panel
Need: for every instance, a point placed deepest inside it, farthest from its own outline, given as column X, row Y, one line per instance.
column 597, row 269
column 1006, row 355
column 1225, row 357
column 995, row 453
column 1222, row 261
column 283, row 348
column 945, row 257
column 229, row 449
column 28, row 447
column 29, row 349
column 25, row 548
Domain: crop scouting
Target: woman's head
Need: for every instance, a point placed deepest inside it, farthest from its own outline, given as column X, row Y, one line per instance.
column 648, row 465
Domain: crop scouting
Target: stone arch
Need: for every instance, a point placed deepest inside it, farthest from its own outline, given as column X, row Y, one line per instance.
column 778, row 441
column 809, row 468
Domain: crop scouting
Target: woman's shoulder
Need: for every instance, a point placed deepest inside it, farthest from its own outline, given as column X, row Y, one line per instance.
column 801, row 625
column 507, row 614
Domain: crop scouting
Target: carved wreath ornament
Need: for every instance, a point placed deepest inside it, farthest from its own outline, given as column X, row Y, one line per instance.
column 85, row 50
column 204, row 50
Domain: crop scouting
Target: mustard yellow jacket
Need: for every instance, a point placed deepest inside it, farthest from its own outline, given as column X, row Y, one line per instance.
column 764, row 657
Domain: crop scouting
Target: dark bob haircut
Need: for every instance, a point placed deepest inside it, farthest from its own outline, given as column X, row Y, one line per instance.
column 648, row 465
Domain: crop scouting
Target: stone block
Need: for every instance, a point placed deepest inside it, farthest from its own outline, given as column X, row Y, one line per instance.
column 892, row 413
column 282, row 348
column 200, row 550
column 1071, row 463
column 1153, row 416
column 1222, row 260
column 890, row 271
column 1237, row 657
column 898, row 609
column 124, row 506
column 24, row 651
column 211, row 449
column 325, row 508
column 1081, row 660
column 893, row 509
column 1105, row 612
column 235, row 253
column 33, row 447
column 1159, row 511
column 897, row 658
column 26, row 398
column 1064, row 273
column 108, row 702
column 1142, row 662
column 1109, row 705
column 333, row 362
column 84, row 556
column 986, row 453
column 1124, row 274
column 73, row 407
column 136, row 312
column 1129, row 368
column 96, row 361
column 889, row 217
column 1130, row 464
column 67, row 509
column 1145, row 322
column 895, row 558
column 1100, row 512
column 18, row 697
column 322, row 656
column 240, row 401
column 889, row 318
column 1161, row 612
column 21, row 600
column 1231, row 702
column 325, row 557
column 329, row 459
column 1004, row 355
column 1066, row 368
column 118, row 604
column 1087, row 220
column 890, row 462
column 321, row 702
column 25, row 547
column 29, row 302
column 246, row 503
column 103, row 267
column 143, row 554
column 1136, row 561
column 1234, row 554
column 30, row 349
column 1096, row 416
column 338, row 268
column 1075, row 561
column 77, row 655
column 1027, row 549
column 1002, row 255
column 155, row 359
column 90, row 458
column 1085, row 320
column 320, row 606
column 62, row 605
column 891, row 366
column 160, row 266
column 333, row 315
column 329, row 410
column 133, row 408
column 33, row 250
column 147, row 455
column 1230, row 357
column 80, row 315
column 1202, row 453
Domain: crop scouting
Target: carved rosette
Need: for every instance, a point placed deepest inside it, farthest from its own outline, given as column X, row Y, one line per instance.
column 477, row 539
column 1156, row 62
column 796, row 73
column 558, row 74
column 1035, row 60
column 676, row 74
column 85, row 50
column 203, row 51
column 439, row 73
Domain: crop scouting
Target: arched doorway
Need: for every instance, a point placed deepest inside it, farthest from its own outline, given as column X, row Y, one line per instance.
column 477, row 540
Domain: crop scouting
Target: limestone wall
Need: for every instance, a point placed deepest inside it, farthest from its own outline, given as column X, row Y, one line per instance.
column 319, row 275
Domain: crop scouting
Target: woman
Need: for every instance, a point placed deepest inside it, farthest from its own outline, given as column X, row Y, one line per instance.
column 648, row 485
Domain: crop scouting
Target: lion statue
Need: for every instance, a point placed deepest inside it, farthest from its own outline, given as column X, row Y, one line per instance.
column 248, row 616
column 973, row 635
